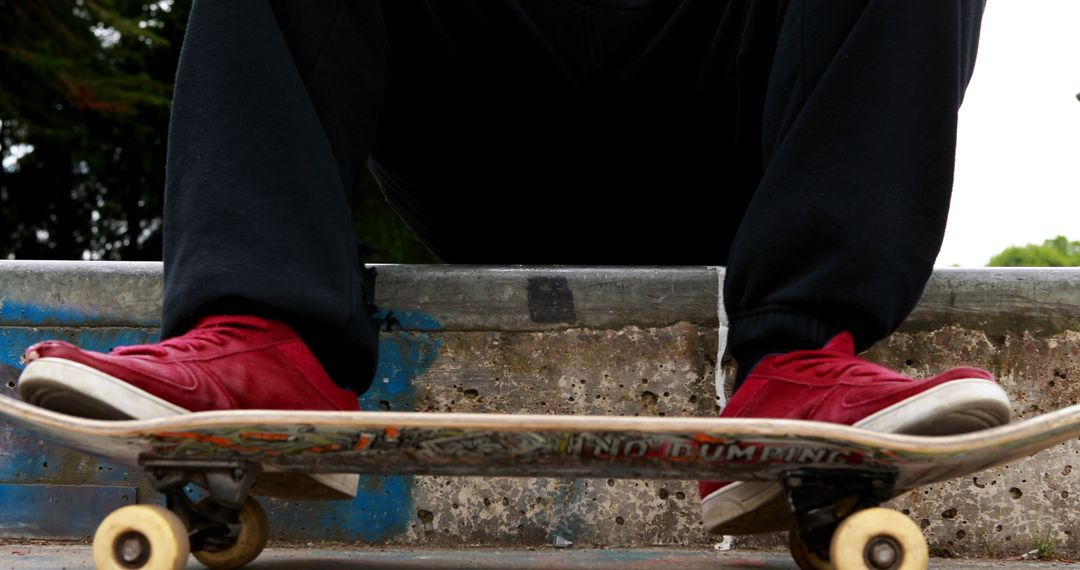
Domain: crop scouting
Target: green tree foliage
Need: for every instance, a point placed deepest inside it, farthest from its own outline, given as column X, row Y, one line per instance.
column 84, row 100
column 1057, row 252
column 85, row 89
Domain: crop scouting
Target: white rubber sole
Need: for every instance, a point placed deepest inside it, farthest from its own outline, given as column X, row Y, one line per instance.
column 76, row 389
column 959, row 406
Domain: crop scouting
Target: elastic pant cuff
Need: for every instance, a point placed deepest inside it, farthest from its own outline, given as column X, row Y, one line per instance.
column 752, row 337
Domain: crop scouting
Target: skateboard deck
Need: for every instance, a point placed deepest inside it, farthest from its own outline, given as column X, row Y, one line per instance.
column 257, row 445
column 541, row 445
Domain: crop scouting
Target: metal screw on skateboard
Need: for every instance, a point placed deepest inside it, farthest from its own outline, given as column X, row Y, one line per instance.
column 213, row 525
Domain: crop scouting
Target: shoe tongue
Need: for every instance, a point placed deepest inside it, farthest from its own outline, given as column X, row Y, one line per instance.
column 843, row 343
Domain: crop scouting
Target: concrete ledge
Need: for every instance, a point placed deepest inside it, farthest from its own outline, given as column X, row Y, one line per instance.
column 1000, row 299
column 550, row 298
column 461, row 297
column 78, row 293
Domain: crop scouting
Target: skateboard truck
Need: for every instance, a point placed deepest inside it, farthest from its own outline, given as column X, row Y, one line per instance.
column 820, row 499
column 213, row 523
column 226, row 529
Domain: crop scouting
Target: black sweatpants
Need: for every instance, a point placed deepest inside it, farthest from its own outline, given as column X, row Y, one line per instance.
column 806, row 145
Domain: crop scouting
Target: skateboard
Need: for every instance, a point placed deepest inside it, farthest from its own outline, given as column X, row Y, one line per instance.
column 834, row 476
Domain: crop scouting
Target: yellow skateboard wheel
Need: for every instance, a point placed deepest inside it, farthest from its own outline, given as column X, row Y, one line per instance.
column 878, row 539
column 254, row 532
column 141, row 536
column 802, row 556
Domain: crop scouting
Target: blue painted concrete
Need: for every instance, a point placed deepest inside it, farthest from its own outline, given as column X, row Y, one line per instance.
column 382, row 509
column 58, row 511
column 569, row 523
column 14, row 340
column 402, row 357
column 404, row 319
column 35, row 313
column 26, row 459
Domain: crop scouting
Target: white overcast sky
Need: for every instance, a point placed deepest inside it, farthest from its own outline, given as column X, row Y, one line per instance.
column 1018, row 155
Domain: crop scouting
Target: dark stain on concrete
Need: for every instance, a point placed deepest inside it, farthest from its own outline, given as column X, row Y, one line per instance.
column 551, row 300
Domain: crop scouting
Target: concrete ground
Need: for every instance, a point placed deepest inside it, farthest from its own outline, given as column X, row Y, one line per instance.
column 48, row 557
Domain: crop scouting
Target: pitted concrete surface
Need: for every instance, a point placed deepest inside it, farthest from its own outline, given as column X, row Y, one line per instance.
column 50, row 557
column 1001, row 512
column 664, row 371
column 630, row 371
column 1015, row 508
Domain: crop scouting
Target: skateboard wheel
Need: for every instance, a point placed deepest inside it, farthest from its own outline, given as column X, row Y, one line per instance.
column 141, row 536
column 802, row 556
column 878, row 539
column 254, row 532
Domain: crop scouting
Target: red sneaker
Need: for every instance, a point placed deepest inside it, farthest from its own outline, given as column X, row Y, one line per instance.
column 834, row 385
column 224, row 363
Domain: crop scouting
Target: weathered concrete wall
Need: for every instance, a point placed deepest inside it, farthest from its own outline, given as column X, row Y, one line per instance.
column 629, row 370
column 1017, row 507
column 583, row 341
